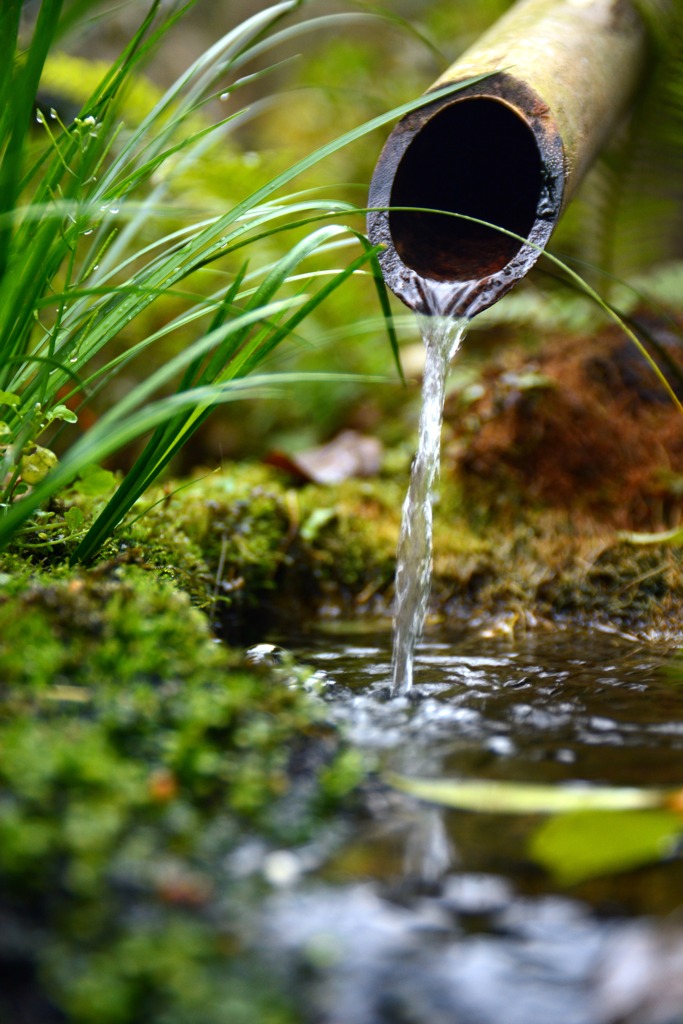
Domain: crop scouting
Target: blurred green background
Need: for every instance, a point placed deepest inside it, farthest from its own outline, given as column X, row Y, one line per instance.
column 322, row 83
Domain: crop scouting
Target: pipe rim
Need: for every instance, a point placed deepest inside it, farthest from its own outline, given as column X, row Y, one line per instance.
column 430, row 291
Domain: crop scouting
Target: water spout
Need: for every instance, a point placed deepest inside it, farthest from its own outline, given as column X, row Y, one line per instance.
column 509, row 150
column 544, row 87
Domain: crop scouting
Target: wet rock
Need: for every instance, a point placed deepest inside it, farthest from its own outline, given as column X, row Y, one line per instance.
column 476, row 894
column 640, row 977
column 365, row 960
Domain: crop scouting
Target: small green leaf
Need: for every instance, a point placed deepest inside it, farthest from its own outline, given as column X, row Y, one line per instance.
column 95, row 481
column 74, row 518
column 9, row 398
column 61, row 412
column 36, row 463
column 574, row 847
column 314, row 523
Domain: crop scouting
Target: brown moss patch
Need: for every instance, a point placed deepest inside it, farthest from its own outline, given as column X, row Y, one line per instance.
column 584, row 425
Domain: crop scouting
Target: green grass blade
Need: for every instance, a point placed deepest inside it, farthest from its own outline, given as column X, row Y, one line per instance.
column 168, row 441
column 151, row 416
column 21, row 106
column 10, row 16
column 257, row 351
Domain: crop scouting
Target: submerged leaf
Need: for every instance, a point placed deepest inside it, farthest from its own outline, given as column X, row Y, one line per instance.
column 574, row 847
column 494, row 797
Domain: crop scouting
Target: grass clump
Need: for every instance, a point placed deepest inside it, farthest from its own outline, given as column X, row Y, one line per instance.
column 91, row 244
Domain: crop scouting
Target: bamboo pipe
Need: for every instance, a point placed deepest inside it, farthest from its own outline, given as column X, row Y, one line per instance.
column 510, row 150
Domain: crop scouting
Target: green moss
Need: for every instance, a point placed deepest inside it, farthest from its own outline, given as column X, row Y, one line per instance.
column 244, row 544
column 137, row 755
column 248, row 548
column 222, row 539
column 87, row 629
column 355, row 548
column 243, row 541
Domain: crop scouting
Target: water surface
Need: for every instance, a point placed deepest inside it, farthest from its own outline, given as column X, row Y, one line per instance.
column 558, row 707
column 426, row 914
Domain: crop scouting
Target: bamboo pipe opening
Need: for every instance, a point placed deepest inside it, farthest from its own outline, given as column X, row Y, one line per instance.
column 494, row 154
column 533, row 101
column 477, row 157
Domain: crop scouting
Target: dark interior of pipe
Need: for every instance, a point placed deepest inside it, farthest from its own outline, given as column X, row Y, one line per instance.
column 476, row 157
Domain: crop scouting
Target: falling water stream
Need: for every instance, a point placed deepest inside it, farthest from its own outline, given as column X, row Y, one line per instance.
column 442, row 336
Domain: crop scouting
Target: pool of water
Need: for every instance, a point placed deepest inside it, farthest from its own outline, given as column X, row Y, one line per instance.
column 425, row 913
column 557, row 706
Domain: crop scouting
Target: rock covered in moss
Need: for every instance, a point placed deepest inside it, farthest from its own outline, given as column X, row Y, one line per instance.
column 141, row 761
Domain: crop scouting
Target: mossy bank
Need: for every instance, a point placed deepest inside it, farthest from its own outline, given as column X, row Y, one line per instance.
column 152, row 775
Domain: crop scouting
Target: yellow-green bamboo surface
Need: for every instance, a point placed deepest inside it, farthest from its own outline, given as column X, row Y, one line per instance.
column 583, row 59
